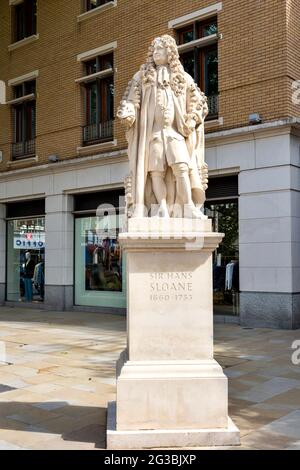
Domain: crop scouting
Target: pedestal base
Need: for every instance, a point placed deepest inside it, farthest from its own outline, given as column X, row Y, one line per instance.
column 170, row 390
column 173, row 395
column 179, row 438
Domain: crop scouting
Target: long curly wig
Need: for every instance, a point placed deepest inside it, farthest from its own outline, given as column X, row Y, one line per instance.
column 148, row 70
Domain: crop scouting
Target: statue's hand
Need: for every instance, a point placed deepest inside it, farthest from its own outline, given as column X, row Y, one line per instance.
column 191, row 123
column 128, row 121
column 126, row 113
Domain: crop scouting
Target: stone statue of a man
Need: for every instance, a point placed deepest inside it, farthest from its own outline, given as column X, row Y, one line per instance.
column 164, row 111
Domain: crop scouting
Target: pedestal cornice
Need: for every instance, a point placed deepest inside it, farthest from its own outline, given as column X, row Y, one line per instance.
column 147, row 234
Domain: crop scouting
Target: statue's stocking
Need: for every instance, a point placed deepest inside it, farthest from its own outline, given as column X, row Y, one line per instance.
column 160, row 192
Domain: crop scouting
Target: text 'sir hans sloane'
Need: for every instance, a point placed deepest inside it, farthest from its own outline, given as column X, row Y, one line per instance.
column 171, row 285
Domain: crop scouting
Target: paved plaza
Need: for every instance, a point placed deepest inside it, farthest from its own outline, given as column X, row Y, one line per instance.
column 57, row 373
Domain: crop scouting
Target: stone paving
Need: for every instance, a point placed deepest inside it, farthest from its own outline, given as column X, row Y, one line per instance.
column 57, row 374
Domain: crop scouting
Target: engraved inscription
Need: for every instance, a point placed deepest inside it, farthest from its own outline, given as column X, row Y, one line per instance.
column 167, row 286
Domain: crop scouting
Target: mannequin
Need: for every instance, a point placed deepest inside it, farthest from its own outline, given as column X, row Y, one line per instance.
column 28, row 275
column 38, row 277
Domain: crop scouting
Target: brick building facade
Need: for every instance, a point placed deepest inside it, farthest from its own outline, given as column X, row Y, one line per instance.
column 65, row 66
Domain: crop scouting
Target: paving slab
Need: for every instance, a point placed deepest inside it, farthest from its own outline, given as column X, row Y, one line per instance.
column 61, row 375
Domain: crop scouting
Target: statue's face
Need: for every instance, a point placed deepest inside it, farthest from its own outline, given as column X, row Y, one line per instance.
column 160, row 54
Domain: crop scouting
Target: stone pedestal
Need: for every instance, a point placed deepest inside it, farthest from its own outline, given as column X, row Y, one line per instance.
column 170, row 390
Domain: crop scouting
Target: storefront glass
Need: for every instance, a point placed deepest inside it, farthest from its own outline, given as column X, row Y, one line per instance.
column 25, row 259
column 99, row 271
column 224, row 215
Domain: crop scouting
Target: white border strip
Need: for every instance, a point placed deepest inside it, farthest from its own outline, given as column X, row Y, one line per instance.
column 23, row 42
column 102, row 74
column 21, row 99
column 12, row 3
column 196, row 15
column 98, row 51
column 90, row 148
column 214, row 123
column 23, row 78
column 211, row 39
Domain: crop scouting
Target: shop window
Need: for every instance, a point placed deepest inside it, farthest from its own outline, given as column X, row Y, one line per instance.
column 222, row 207
column 99, row 262
column 99, row 267
column 201, row 59
column 224, row 215
column 25, row 260
column 24, row 120
column 24, row 19
column 98, row 100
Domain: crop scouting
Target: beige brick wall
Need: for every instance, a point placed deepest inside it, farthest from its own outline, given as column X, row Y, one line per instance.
column 257, row 61
column 293, row 57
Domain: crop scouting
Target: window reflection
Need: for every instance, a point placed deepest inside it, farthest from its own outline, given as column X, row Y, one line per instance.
column 102, row 262
column 188, row 62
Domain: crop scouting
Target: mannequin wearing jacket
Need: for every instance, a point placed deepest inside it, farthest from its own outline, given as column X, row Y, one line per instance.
column 39, row 278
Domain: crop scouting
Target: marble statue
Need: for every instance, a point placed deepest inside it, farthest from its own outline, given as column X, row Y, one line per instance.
column 163, row 111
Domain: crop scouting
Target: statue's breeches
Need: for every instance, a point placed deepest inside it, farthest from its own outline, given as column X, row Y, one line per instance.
column 166, row 150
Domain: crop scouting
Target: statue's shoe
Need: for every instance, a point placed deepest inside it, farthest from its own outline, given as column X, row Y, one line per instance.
column 139, row 211
column 162, row 214
column 192, row 212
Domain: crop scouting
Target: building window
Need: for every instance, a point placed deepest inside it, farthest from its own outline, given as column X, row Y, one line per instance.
column 99, row 99
column 24, row 19
column 24, row 123
column 99, row 263
column 25, row 259
column 222, row 206
column 91, row 4
column 198, row 50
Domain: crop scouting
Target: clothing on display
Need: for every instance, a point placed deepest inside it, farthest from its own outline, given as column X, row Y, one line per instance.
column 226, row 286
column 232, row 276
column 28, row 289
column 28, row 275
column 39, row 278
column 32, row 277
column 228, row 276
column 218, row 277
column 103, row 264
column 29, row 269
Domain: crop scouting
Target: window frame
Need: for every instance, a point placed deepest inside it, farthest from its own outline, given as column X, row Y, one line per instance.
column 100, row 3
column 200, row 25
column 24, row 20
column 104, row 79
column 199, row 51
column 181, row 31
column 24, row 120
